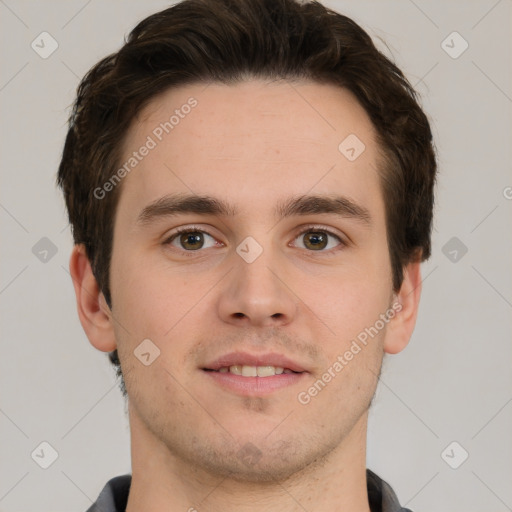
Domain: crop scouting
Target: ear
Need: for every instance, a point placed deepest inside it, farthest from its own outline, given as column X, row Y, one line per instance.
column 93, row 311
column 405, row 304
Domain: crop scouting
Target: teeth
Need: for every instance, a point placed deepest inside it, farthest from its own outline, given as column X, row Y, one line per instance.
column 254, row 371
column 249, row 371
column 237, row 369
column 265, row 371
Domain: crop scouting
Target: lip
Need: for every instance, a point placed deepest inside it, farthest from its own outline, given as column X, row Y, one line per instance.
column 246, row 359
column 254, row 386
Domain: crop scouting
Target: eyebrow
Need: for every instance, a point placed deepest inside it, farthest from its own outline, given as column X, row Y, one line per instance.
column 177, row 204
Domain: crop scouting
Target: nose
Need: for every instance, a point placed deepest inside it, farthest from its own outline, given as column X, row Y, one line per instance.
column 257, row 294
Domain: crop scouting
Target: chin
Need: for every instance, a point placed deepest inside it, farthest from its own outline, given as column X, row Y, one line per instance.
column 256, row 461
column 266, row 469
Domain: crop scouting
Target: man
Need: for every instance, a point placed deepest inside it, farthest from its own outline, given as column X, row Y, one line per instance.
column 250, row 188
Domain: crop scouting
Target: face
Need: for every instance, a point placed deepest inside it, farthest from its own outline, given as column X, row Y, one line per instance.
column 283, row 264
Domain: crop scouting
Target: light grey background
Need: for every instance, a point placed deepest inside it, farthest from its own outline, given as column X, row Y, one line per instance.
column 453, row 382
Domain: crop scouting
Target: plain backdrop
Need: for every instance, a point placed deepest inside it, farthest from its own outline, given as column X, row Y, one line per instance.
column 453, row 384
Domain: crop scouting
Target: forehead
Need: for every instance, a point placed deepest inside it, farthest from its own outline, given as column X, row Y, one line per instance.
column 251, row 141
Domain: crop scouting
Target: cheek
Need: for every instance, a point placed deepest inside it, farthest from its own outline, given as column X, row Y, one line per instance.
column 156, row 306
column 351, row 307
column 152, row 300
column 347, row 299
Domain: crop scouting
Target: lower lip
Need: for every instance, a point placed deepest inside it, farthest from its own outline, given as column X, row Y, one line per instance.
column 254, row 386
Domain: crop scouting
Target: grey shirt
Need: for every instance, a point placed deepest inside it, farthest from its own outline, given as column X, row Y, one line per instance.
column 114, row 496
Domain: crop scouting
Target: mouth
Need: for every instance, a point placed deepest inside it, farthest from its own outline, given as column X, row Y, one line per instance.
column 254, row 375
column 252, row 371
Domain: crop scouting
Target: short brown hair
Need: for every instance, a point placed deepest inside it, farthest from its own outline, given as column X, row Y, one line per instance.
column 227, row 41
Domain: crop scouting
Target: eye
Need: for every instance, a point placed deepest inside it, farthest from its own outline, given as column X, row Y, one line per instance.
column 316, row 239
column 312, row 239
column 191, row 240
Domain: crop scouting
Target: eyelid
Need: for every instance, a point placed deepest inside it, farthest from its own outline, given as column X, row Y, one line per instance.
column 186, row 229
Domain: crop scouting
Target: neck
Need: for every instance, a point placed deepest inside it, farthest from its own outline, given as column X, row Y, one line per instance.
column 162, row 482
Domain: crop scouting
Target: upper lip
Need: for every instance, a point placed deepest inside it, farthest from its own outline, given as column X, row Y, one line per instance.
column 246, row 359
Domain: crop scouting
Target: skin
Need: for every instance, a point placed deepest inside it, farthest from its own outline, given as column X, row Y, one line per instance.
column 252, row 145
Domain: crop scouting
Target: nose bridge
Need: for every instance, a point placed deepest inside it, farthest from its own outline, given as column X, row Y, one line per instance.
column 254, row 292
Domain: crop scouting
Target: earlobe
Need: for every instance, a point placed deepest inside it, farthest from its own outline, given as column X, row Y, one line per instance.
column 406, row 303
column 93, row 311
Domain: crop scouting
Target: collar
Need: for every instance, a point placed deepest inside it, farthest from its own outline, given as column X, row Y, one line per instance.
column 114, row 496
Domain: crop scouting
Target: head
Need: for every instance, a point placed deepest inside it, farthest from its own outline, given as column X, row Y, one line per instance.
column 243, row 106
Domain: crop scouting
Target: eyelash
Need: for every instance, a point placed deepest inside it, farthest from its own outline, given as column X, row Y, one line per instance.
column 307, row 229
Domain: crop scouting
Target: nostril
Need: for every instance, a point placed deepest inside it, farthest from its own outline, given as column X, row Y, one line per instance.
column 239, row 315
